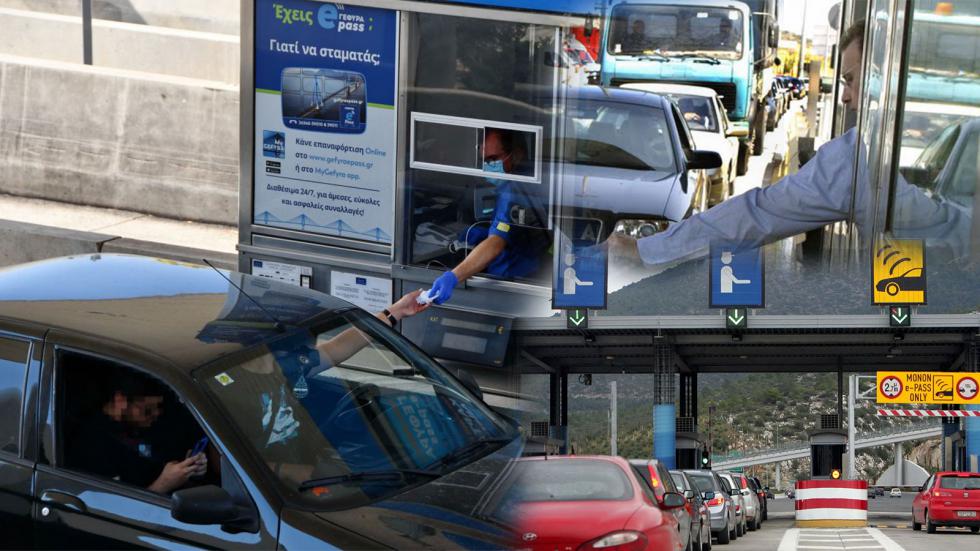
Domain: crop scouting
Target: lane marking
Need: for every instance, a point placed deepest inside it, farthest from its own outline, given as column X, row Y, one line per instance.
column 886, row 542
column 790, row 538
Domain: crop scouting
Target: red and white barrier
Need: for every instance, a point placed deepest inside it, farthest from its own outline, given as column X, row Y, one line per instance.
column 928, row 413
column 831, row 503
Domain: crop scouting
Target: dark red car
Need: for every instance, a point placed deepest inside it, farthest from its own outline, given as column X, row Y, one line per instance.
column 583, row 503
column 948, row 499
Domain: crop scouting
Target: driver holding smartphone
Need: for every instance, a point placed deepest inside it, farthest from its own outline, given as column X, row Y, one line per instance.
column 114, row 442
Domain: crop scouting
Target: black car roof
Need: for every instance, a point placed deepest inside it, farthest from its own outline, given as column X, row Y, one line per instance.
column 187, row 314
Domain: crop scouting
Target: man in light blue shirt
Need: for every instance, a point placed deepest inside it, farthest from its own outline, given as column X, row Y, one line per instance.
column 820, row 193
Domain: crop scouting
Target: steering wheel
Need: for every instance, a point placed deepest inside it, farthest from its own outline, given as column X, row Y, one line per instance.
column 361, row 396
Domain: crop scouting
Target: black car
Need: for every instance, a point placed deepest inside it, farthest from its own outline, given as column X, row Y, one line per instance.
column 321, row 426
column 764, row 495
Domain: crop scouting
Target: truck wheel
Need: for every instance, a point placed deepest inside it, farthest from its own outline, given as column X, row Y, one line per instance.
column 759, row 124
column 742, row 164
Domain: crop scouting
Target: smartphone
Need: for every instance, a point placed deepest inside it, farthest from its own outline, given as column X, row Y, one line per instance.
column 199, row 447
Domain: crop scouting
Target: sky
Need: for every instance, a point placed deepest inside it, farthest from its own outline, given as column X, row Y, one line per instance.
column 791, row 14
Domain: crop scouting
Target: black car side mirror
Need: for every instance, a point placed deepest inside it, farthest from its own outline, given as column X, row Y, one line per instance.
column 673, row 500
column 704, row 159
column 207, row 505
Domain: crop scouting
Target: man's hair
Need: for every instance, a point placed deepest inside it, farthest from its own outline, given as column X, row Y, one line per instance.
column 132, row 385
column 509, row 141
column 853, row 34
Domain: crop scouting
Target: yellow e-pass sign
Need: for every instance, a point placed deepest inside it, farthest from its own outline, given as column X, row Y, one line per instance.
column 899, row 272
column 926, row 387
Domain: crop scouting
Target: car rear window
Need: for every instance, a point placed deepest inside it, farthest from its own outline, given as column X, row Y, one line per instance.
column 703, row 483
column 679, row 481
column 569, row 480
column 960, row 482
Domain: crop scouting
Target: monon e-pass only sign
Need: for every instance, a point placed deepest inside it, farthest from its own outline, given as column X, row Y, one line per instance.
column 925, row 387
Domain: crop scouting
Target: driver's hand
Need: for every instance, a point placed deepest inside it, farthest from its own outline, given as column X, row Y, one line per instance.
column 407, row 306
column 692, row 116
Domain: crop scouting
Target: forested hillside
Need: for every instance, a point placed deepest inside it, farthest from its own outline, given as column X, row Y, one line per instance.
column 752, row 411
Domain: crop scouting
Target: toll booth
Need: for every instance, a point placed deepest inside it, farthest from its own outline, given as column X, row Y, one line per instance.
column 363, row 170
column 827, row 450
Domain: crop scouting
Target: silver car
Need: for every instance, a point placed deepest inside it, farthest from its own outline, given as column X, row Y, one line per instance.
column 721, row 505
column 733, row 488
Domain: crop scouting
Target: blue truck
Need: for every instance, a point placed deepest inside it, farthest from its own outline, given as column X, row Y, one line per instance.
column 724, row 45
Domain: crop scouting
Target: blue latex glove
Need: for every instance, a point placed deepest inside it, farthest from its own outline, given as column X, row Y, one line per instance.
column 442, row 288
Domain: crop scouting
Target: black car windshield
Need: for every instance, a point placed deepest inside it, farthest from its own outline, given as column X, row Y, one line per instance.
column 616, row 135
column 346, row 412
column 703, row 31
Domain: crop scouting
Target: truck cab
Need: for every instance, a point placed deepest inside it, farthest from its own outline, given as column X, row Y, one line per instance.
column 721, row 45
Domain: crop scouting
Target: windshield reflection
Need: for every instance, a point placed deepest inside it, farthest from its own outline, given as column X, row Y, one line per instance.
column 345, row 402
column 715, row 32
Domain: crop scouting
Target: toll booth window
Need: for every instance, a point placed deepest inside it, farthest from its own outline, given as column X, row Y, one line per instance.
column 674, row 30
column 13, row 368
column 934, row 196
column 459, row 145
column 479, row 109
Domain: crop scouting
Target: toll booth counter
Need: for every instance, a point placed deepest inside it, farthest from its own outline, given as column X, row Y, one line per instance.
column 383, row 141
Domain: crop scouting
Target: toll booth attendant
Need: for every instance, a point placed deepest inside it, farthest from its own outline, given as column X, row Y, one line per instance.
column 512, row 244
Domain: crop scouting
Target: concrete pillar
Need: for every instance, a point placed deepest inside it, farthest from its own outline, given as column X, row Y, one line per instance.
column 779, row 477
column 664, row 412
column 899, row 464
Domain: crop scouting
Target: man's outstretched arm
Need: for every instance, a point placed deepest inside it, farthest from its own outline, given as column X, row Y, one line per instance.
column 819, row 194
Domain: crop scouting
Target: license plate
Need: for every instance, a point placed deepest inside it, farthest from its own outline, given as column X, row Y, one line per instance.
column 968, row 514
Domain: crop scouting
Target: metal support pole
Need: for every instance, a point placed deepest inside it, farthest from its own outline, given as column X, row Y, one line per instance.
column 840, row 390
column 851, row 431
column 779, row 477
column 614, row 428
column 87, row 32
column 664, row 412
column 563, row 410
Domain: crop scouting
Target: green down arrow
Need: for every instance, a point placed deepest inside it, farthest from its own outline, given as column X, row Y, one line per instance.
column 578, row 318
column 898, row 312
column 736, row 318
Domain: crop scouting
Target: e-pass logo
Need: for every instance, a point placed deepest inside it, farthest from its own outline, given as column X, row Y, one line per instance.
column 329, row 17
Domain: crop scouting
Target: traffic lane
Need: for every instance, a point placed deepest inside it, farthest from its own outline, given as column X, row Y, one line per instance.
column 765, row 539
column 944, row 538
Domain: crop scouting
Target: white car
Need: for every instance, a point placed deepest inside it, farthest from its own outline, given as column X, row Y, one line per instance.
column 896, row 492
column 925, row 121
column 710, row 129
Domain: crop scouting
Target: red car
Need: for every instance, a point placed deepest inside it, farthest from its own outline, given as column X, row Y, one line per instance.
column 581, row 503
column 948, row 499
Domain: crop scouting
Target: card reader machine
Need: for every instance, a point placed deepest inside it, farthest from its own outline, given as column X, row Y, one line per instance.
column 472, row 337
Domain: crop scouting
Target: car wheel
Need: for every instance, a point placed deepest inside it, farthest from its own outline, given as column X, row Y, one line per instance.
column 892, row 289
column 724, row 537
column 975, row 529
column 930, row 527
column 706, row 544
column 916, row 526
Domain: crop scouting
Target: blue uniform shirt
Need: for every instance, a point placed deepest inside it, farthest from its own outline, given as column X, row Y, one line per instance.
column 519, row 218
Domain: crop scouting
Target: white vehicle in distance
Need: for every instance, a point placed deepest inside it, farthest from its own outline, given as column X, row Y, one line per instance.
column 924, row 121
column 708, row 121
column 896, row 492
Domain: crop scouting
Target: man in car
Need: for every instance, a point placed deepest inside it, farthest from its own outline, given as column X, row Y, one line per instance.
column 512, row 245
column 637, row 39
column 820, row 193
column 113, row 441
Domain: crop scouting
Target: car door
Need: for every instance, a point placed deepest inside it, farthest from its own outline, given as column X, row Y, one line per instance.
column 683, row 514
column 921, row 497
column 16, row 455
column 74, row 509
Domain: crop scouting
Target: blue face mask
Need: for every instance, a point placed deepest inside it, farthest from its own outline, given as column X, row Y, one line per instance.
column 495, row 166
